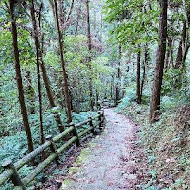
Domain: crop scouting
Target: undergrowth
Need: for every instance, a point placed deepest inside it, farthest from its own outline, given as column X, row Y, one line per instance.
column 14, row 147
column 166, row 142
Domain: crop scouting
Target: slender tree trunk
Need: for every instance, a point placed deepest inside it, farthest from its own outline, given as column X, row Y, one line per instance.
column 183, row 47
column 89, row 58
column 47, row 82
column 179, row 59
column 185, row 54
column 184, row 42
column 169, row 56
column 4, row 131
column 38, row 54
column 50, row 95
column 138, row 77
column 77, row 24
column 77, row 20
column 19, row 77
column 70, row 94
column 65, row 76
column 118, row 79
column 95, row 22
column 158, row 72
column 61, row 14
column 167, row 59
column 60, row 93
column 30, row 93
column 47, row 85
column 112, row 88
column 145, row 62
column 101, row 27
column 67, row 19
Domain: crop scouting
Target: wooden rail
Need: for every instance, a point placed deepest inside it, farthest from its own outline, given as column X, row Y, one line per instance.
column 11, row 170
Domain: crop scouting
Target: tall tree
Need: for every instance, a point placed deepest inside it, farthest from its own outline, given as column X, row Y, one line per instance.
column 118, row 79
column 19, row 76
column 90, row 51
column 158, row 71
column 182, row 48
column 38, row 54
column 50, row 94
column 65, row 76
column 138, row 77
column 43, row 69
column 145, row 62
column 30, row 92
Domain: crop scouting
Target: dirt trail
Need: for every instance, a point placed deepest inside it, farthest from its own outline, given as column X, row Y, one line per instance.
column 108, row 163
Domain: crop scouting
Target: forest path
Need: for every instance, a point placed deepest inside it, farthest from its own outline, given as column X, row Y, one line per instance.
column 108, row 163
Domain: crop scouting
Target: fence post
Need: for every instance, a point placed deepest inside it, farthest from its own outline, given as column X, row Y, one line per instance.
column 53, row 147
column 91, row 125
column 75, row 134
column 103, row 116
column 100, row 119
column 15, row 178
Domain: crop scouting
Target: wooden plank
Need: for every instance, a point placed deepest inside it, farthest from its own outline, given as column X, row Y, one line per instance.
column 40, row 149
column 82, row 123
column 8, row 172
column 46, row 162
column 61, row 135
column 30, row 177
column 18, row 188
column 5, row 176
column 66, row 145
column 15, row 178
column 96, row 116
column 31, row 155
column 85, row 131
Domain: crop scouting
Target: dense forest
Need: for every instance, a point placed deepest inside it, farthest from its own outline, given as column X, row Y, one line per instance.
column 63, row 60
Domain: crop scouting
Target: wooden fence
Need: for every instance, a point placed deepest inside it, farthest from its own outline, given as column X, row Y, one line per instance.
column 11, row 171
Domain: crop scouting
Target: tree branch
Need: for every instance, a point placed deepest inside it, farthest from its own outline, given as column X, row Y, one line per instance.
column 70, row 11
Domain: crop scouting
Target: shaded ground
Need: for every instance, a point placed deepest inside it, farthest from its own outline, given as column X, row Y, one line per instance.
column 112, row 161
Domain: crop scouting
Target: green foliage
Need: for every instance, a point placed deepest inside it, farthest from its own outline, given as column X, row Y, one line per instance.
column 171, row 80
column 130, row 97
column 132, row 26
column 14, row 147
column 162, row 140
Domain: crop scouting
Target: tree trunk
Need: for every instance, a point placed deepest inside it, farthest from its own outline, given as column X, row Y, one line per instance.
column 19, row 77
column 158, row 72
column 77, row 20
column 38, row 54
column 169, row 55
column 30, row 93
column 138, row 77
column 112, row 88
column 89, row 58
column 145, row 62
column 50, row 95
column 77, row 24
column 61, row 14
column 65, row 76
column 47, row 84
column 60, row 91
column 97, row 98
column 181, row 47
column 118, row 76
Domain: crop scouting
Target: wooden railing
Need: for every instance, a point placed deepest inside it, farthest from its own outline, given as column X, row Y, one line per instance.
column 11, row 171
